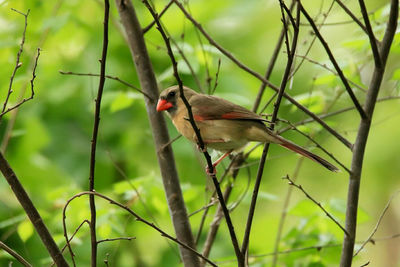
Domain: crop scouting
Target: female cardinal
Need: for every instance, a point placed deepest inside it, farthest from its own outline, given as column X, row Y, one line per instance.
column 223, row 126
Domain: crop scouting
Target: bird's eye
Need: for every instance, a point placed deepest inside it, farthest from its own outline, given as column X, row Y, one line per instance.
column 171, row 94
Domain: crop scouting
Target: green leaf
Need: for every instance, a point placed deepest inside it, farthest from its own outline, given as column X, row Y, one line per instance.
column 25, row 230
column 122, row 100
column 396, row 75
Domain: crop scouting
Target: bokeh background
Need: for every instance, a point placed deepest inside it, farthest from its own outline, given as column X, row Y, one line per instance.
column 49, row 146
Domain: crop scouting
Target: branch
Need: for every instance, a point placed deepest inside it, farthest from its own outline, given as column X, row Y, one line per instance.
column 335, row 64
column 137, row 217
column 32, row 89
column 31, row 211
column 369, row 239
column 14, row 254
column 277, row 103
column 362, row 136
column 159, row 129
column 316, row 203
column 353, row 17
column 17, row 63
column 108, row 77
column 199, row 138
column 148, row 27
column 115, row 239
column 370, row 33
column 95, row 135
column 261, row 78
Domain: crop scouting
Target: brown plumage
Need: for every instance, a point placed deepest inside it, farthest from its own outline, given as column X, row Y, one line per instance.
column 223, row 126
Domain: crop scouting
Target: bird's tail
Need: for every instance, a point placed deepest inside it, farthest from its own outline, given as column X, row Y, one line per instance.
column 291, row 146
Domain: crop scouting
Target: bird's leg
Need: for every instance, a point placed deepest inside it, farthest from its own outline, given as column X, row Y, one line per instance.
column 214, row 171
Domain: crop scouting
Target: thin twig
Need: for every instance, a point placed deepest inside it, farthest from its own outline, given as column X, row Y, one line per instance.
column 148, row 27
column 353, row 17
column 362, row 136
column 216, row 77
column 371, row 35
column 316, row 203
column 134, row 214
column 15, row 254
column 284, row 213
column 369, row 239
column 334, row 113
column 96, row 125
column 17, row 63
column 330, row 70
column 317, row 144
column 261, row 78
column 108, row 77
column 245, row 244
column 115, row 239
column 32, row 88
column 334, row 62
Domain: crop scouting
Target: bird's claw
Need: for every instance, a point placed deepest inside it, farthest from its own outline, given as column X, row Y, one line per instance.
column 204, row 149
column 211, row 172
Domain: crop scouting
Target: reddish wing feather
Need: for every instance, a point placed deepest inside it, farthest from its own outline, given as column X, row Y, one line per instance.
column 207, row 107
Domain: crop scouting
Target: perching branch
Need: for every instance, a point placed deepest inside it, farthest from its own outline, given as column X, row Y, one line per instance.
column 134, row 214
column 261, row 78
column 198, row 135
column 158, row 125
column 96, row 125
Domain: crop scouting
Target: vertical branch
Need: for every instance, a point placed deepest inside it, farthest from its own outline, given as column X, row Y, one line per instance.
column 277, row 103
column 165, row 155
column 362, row 136
column 95, row 135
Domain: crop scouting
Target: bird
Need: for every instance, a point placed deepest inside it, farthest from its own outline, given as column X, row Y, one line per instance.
column 223, row 125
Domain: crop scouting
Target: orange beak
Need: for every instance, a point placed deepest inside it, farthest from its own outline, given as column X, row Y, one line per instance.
column 163, row 105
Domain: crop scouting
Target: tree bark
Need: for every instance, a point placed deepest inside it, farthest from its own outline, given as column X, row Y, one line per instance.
column 165, row 156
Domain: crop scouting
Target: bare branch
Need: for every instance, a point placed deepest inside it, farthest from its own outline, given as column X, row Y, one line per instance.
column 108, row 77
column 316, row 203
column 371, row 35
column 96, row 125
column 137, row 217
column 335, row 64
column 369, row 239
column 285, row 78
column 353, row 17
column 15, row 254
column 32, row 88
column 115, row 239
column 17, row 63
column 32, row 212
column 148, row 27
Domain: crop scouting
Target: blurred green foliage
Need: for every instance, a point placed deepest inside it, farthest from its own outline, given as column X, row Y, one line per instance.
column 49, row 146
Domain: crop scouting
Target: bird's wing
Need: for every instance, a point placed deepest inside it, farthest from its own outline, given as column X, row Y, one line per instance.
column 205, row 107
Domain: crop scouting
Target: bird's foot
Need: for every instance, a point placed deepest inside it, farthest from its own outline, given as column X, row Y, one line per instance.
column 204, row 149
column 212, row 172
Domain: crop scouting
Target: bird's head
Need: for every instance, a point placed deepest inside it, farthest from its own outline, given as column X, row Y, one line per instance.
column 170, row 99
